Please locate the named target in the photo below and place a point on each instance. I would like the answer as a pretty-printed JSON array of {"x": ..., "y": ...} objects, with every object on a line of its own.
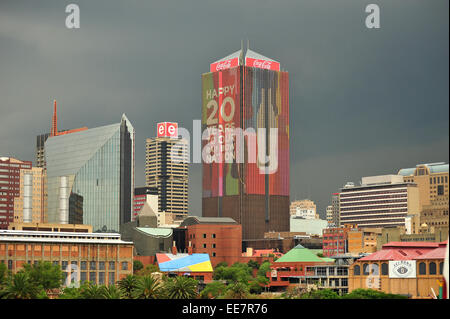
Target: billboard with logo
[
  {"x": 262, "y": 64},
  {"x": 167, "y": 129},
  {"x": 402, "y": 269}
]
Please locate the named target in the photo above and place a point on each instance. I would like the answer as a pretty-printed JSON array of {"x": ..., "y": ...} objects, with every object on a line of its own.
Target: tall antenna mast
[{"x": 54, "y": 130}]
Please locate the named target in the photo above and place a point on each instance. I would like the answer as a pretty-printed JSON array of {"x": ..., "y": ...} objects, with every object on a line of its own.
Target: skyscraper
[
  {"x": 246, "y": 175},
  {"x": 93, "y": 168},
  {"x": 168, "y": 171},
  {"x": 9, "y": 187}
]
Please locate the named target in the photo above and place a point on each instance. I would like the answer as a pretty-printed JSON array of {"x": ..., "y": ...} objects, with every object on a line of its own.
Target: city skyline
[{"x": 111, "y": 66}]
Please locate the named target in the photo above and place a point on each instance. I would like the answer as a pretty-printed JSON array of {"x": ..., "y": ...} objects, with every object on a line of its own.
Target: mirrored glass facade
[{"x": 96, "y": 165}]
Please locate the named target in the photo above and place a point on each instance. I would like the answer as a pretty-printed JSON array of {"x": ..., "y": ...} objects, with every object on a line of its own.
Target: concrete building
[
  {"x": 414, "y": 269},
  {"x": 166, "y": 168},
  {"x": 102, "y": 259},
  {"x": 379, "y": 201},
  {"x": 304, "y": 208},
  {"x": 31, "y": 204},
  {"x": 432, "y": 180},
  {"x": 362, "y": 240},
  {"x": 335, "y": 210},
  {"x": 252, "y": 187},
  {"x": 431, "y": 234},
  {"x": 329, "y": 214},
  {"x": 96, "y": 164},
  {"x": 10, "y": 182},
  {"x": 143, "y": 195}
]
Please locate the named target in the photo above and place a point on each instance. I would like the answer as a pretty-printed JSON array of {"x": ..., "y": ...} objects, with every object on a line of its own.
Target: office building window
[
  {"x": 213, "y": 235},
  {"x": 92, "y": 265},
  {"x": 384, "y": 269},
  {"x": 204, "y": 245},
  {"x": 124, "y": 265},
  {"x": 432, "y": 268},
  {"x": 112, "y": 265},
  {"x": 356, "y": 270},
  {"x": 422, "y": 268},
  {"x": 83, "y": 265},
  {"x": 101, "y": 265},
  {"x": 204, "y": 235}
]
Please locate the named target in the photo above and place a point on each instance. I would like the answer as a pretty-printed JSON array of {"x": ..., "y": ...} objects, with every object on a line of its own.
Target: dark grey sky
[{"x": 363, "y": 101}]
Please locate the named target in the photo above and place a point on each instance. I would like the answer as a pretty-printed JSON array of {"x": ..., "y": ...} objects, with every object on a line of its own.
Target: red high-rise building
[
  {"x": 246, "y": 177},
  {"x": 9, "y": 187}
]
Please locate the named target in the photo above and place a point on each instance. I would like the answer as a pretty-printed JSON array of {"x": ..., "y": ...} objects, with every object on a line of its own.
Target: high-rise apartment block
[
  {"x": 335, "y": 209},
  {"x": 246, "y": 174},
  {"x": 432, "y": 180},
  {"x": 93, "y": 168},
  {"x": 167, "y": 169},
  {"x": 379, "y": 201},
  {"x": 10, "y": 183}
]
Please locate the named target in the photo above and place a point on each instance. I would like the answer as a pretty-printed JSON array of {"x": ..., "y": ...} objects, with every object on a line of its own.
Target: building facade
[
  {"x": 304, "y": 208},
  {"x": 335, "y": 240},
  {"x": 433, "y": 183},
  {"x": 245, "y": 143},
  {"x": 31, "y": 205},
  {"x": 220, "y": 238},
  {"x": 166, "y": 168},
  {"x": 10, "y": 187},
  {"x": 380, "y": 201},
  {"x": 335, "y": 209},
  {"x": 143, "y": 195},
  {"x": 412, "y": 269},
  {"x": 97, "y": 165},
  {"x": 102, "y": 259}
]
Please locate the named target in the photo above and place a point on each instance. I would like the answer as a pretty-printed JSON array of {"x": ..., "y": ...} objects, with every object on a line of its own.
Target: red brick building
[
  {"x": 335, "y": 240},
  {"x": 9, "y": 187},
  {"x": 219, "y": 237}
]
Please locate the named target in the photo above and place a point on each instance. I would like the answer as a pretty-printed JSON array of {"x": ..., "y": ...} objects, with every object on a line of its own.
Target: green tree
[
  {"x": 137, "y": 265},
  {"x": 222, "y": 264},
  {"x": 181, "y": 287},
  {"x": 264, "y": 269},
  {"x": 44, "y": 274},
  {"x": 147, "y": 288},
  {"x": 4, "y": 277},
  {"x": 148, "y": 270},
  {"x": 213, "y": 290},
  {"x": 127, "y": 285},
  {"x": 91, "y": 291},
  {"x": 111, "y": 292},
  {"x": 371, "y": 294},
  {"x": 320, "y": 294},
  {"x": 253, "y": 264},
  {"x": 257, "y": 285},
  {"x": 20, "y": 286},
  {"x": 238, "y": 272},
  {"x": 237, "y": 290}
]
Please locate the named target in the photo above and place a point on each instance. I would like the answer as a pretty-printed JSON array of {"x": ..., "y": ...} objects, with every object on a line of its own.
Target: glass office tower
[{"x": 97, "y": 166}]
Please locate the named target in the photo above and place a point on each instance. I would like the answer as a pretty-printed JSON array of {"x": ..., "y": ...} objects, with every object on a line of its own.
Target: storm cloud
[{"x": 362, "y": 101}]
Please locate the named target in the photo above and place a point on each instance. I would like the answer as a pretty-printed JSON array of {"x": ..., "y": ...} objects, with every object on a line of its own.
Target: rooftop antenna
[{"x": 54, "y": 130}]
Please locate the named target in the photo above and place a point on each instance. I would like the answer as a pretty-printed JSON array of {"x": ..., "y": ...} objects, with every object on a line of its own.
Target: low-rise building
[
  {"x": 76, "y": 228},
  {"x": 407, "y": 268},
  {"x": 101, "y": 258},
  {"x": 362, "y": 240},
  {"x": 335, "y": 240}
]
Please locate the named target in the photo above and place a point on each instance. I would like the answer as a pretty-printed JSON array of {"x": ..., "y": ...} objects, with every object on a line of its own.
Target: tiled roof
[
  {"x": 408, "y": 251},
  {"x": 299, "y": 254}
]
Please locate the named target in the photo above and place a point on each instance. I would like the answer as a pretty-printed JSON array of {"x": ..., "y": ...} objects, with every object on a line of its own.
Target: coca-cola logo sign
[
  {"x": 223, "y": 65},
  {"x": 262, "y": 64}
]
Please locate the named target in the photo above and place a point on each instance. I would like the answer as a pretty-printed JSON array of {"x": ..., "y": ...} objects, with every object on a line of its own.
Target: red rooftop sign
[
  {"x": 167, "y": 129},
  {"x": 262, "y": 64},
  {"x": 225, "y": 64}
]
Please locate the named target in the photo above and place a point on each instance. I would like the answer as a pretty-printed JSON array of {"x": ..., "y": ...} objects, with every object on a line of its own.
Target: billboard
[
  {"x": 167, "y": 129},
  {"x": 262, "y": 64},
  {"x": 221, "y": 111},
  {"x": 402, "y": 269},
  {"x": 224, "y": 64}
]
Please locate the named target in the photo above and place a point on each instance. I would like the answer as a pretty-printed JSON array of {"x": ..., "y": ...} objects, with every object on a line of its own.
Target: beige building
[
  {"x": 362, "y": 240},
  {"x": 304, "y": 208},
  {"x": 330, "y": 214},
  {"x": 166, "y": 168},
  {"x": 76, "y": 228},
  {"x": 433, "y": 183},
  {"x": 399, "y": 234},
  {"x": 380, "y": 201},
  {"x": 31, "y": 205}
]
